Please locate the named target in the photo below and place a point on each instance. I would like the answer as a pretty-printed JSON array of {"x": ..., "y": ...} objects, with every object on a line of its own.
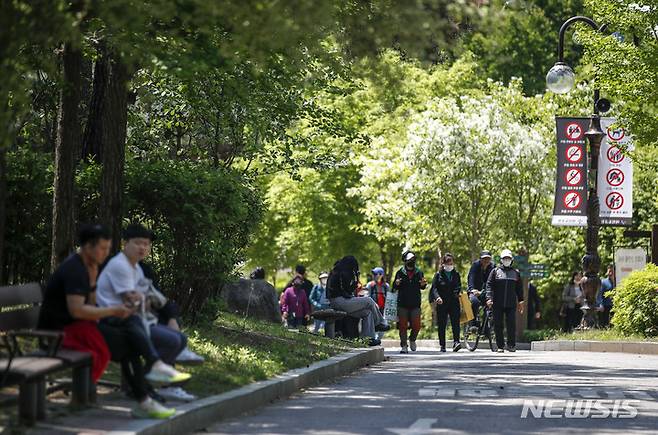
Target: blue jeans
[{"x": 167, "y": 342}]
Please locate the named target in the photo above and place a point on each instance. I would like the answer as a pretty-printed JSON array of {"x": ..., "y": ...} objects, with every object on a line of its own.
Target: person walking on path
[
  {"x": 377, "y": 289},
  {"x": 444, "y": 292},
  {"x": 505, "y": 294},
  {"x": 408, "y": 282},
  {"x": 534, "y": 306},
  {"x": 319, "y": 299},
  {"x": 295, "y": 308},
  {"x": 572, "y": 297}
]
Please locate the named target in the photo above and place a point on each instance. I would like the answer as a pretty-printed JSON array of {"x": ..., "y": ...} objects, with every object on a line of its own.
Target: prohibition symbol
[
  {"x": 573, "y": 177},
  {"x": 615, "y": 155},
  {"x": 574, "y": 154},
  {"x": 615, "y": 177},
  {"x": 571, "y": 200},
  {"x": 616, "y": 134},
  {"x": 574, "y": 131},
  {"x": 614, "y": 201}
]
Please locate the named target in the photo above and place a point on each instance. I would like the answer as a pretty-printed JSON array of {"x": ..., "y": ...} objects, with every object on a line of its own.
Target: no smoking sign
[
  {"x": 574, "y": 154},
  {"x": 572, "y": 200}
]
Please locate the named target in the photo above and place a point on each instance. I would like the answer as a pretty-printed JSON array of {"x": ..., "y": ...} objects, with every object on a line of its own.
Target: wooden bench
[{"x": 19, "y": 314}]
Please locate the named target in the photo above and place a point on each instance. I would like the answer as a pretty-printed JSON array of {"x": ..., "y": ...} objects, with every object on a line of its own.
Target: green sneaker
[{"x": 152, "y": 409}]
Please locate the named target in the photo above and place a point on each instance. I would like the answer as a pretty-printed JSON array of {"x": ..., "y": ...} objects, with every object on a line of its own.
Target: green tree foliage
[
  {"x": 627, "y": 62},
  {"x": 634, "y": 303}
]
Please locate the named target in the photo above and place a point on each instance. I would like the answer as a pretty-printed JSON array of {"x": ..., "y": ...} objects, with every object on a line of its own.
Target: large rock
[{"x": 253, "y": 298}]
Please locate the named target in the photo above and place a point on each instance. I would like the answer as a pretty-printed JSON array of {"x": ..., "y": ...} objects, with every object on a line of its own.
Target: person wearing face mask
[
  {"x": 319, "y": 299},
  {"x": 377, "y": 289},
  {"x": 504, "y": 292},
  {"x": 295, "y": 308},
  {"x": 409, "y": 281},
  {"x": 445, "y": 290}
]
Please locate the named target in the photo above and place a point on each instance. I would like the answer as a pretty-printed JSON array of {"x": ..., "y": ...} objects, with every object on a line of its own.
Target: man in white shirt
[{"x": 122, "y": 281}]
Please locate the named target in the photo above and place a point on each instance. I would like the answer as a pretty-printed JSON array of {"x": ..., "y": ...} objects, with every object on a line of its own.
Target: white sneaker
[
  {"x": 187, "y": 356},
  {"x": 176, "y": 393},
  {"x": 152, "y": 409},
  {"x": 166, "y": 374},
  {"x": 412, "y": 346}
]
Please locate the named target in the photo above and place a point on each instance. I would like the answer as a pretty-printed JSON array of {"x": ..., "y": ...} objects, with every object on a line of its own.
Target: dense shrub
[
  {"x": 202, "y": 217},
  {"x": 635, "y": 303},
  {"x": 29, "y": 216}
]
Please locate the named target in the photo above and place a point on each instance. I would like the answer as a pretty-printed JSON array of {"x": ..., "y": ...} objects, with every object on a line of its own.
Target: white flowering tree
[{"x": 479, "y": 175}]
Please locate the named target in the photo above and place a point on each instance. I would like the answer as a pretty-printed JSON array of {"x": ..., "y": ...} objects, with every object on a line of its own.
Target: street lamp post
[{"x": 561, "y": 79}]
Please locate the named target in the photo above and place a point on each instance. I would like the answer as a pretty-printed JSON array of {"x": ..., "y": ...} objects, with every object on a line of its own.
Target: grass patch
[
  {"x": 240, "y": 351},
  {"x": 593, "y": 335}
]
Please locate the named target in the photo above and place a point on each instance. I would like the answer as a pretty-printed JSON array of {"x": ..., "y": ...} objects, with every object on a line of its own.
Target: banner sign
[
  {"x": 615, "y": 177},
  {"x": 570, "y": 205}
]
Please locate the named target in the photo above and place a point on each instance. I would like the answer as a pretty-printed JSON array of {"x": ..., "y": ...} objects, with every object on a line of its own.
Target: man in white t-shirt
[{"x": 122, "y": 281}]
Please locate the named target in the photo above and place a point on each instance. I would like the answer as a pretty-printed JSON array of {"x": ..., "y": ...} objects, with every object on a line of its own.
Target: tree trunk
[
  {"x": 105, "y": 135},
  {"x": 67, "y": 148}
]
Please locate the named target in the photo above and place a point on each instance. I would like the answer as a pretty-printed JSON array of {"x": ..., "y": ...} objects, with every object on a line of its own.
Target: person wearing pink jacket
[{"x": 295, "y": 308}]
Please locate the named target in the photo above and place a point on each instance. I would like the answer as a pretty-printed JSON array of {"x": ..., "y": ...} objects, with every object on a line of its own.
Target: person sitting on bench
[
  {"x": 341, "y": 287},
  {"x": 123, "y": 279},
  {"x": 69, "y": 305}
]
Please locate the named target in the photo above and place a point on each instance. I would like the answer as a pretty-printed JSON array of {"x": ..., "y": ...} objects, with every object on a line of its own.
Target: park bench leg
[
  {"x": 41, "y": 399},
  {"x": 330, "y": 329},
  {"x": 27, "y": 401},
  {"x": 80, "y": 389}
]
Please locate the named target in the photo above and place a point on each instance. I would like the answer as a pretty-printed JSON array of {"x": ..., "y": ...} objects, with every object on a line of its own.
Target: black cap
[
  {"x": 485, "y": 254},
  {"x": 135, "y": 231},
  {"x": 300, "y": 269}
]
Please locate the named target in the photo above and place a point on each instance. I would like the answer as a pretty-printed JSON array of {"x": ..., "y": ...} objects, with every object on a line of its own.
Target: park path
[{"x": 429, "y": 393}]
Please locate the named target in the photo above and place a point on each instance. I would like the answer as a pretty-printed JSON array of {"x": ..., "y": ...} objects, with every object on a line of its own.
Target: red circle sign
[
  {"x": 574, "y": 154},
  {"x": 615, "y": 177},
  {"x": 573, "y": 177},
  {"x": 616, "y": 134},
  {"x": 574, "y": 131},
  {"x": 571, "y": 200},
  {"x": 614, "y": 200},
  {"x": 615, "y": 155}
]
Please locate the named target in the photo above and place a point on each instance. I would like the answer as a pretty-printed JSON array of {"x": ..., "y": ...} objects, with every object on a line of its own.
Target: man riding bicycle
[{"x": 477, "y": 279}]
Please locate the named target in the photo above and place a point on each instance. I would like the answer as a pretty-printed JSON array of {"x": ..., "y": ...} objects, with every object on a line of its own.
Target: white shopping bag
[{"x": 391, "y": 307}]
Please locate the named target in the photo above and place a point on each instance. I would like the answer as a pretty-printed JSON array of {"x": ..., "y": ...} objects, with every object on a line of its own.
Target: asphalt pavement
[{"x": 428, "y": 392}]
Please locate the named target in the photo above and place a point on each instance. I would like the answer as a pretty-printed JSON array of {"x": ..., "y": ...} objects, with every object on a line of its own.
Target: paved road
[{"x": 481, "y": 392}]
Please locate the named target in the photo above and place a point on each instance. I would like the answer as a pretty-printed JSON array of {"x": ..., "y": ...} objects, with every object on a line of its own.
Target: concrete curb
[
  {"x": 636, "y": 347},
  {"x": 205, "y": 412},
  {"x": 434, "y": 344}
]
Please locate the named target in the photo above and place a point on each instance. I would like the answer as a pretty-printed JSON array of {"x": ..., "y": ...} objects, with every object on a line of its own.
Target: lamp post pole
[{"x": 560, "y": 79}]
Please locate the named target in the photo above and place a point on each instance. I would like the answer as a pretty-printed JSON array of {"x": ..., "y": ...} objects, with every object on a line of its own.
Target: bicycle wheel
[
  {"x": 489, "y": 331},
  {"x": 471, "y": 336}
]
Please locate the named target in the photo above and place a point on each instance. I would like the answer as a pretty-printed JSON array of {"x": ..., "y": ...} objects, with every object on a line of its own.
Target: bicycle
[{"x": 485, "y": 329}]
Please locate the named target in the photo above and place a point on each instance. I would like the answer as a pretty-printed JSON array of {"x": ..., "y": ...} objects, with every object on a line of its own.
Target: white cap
[
  {"x": 324, "y": 275},
  {"x": 409, "y": 256},
  {"x": 506, "y": 253}
]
